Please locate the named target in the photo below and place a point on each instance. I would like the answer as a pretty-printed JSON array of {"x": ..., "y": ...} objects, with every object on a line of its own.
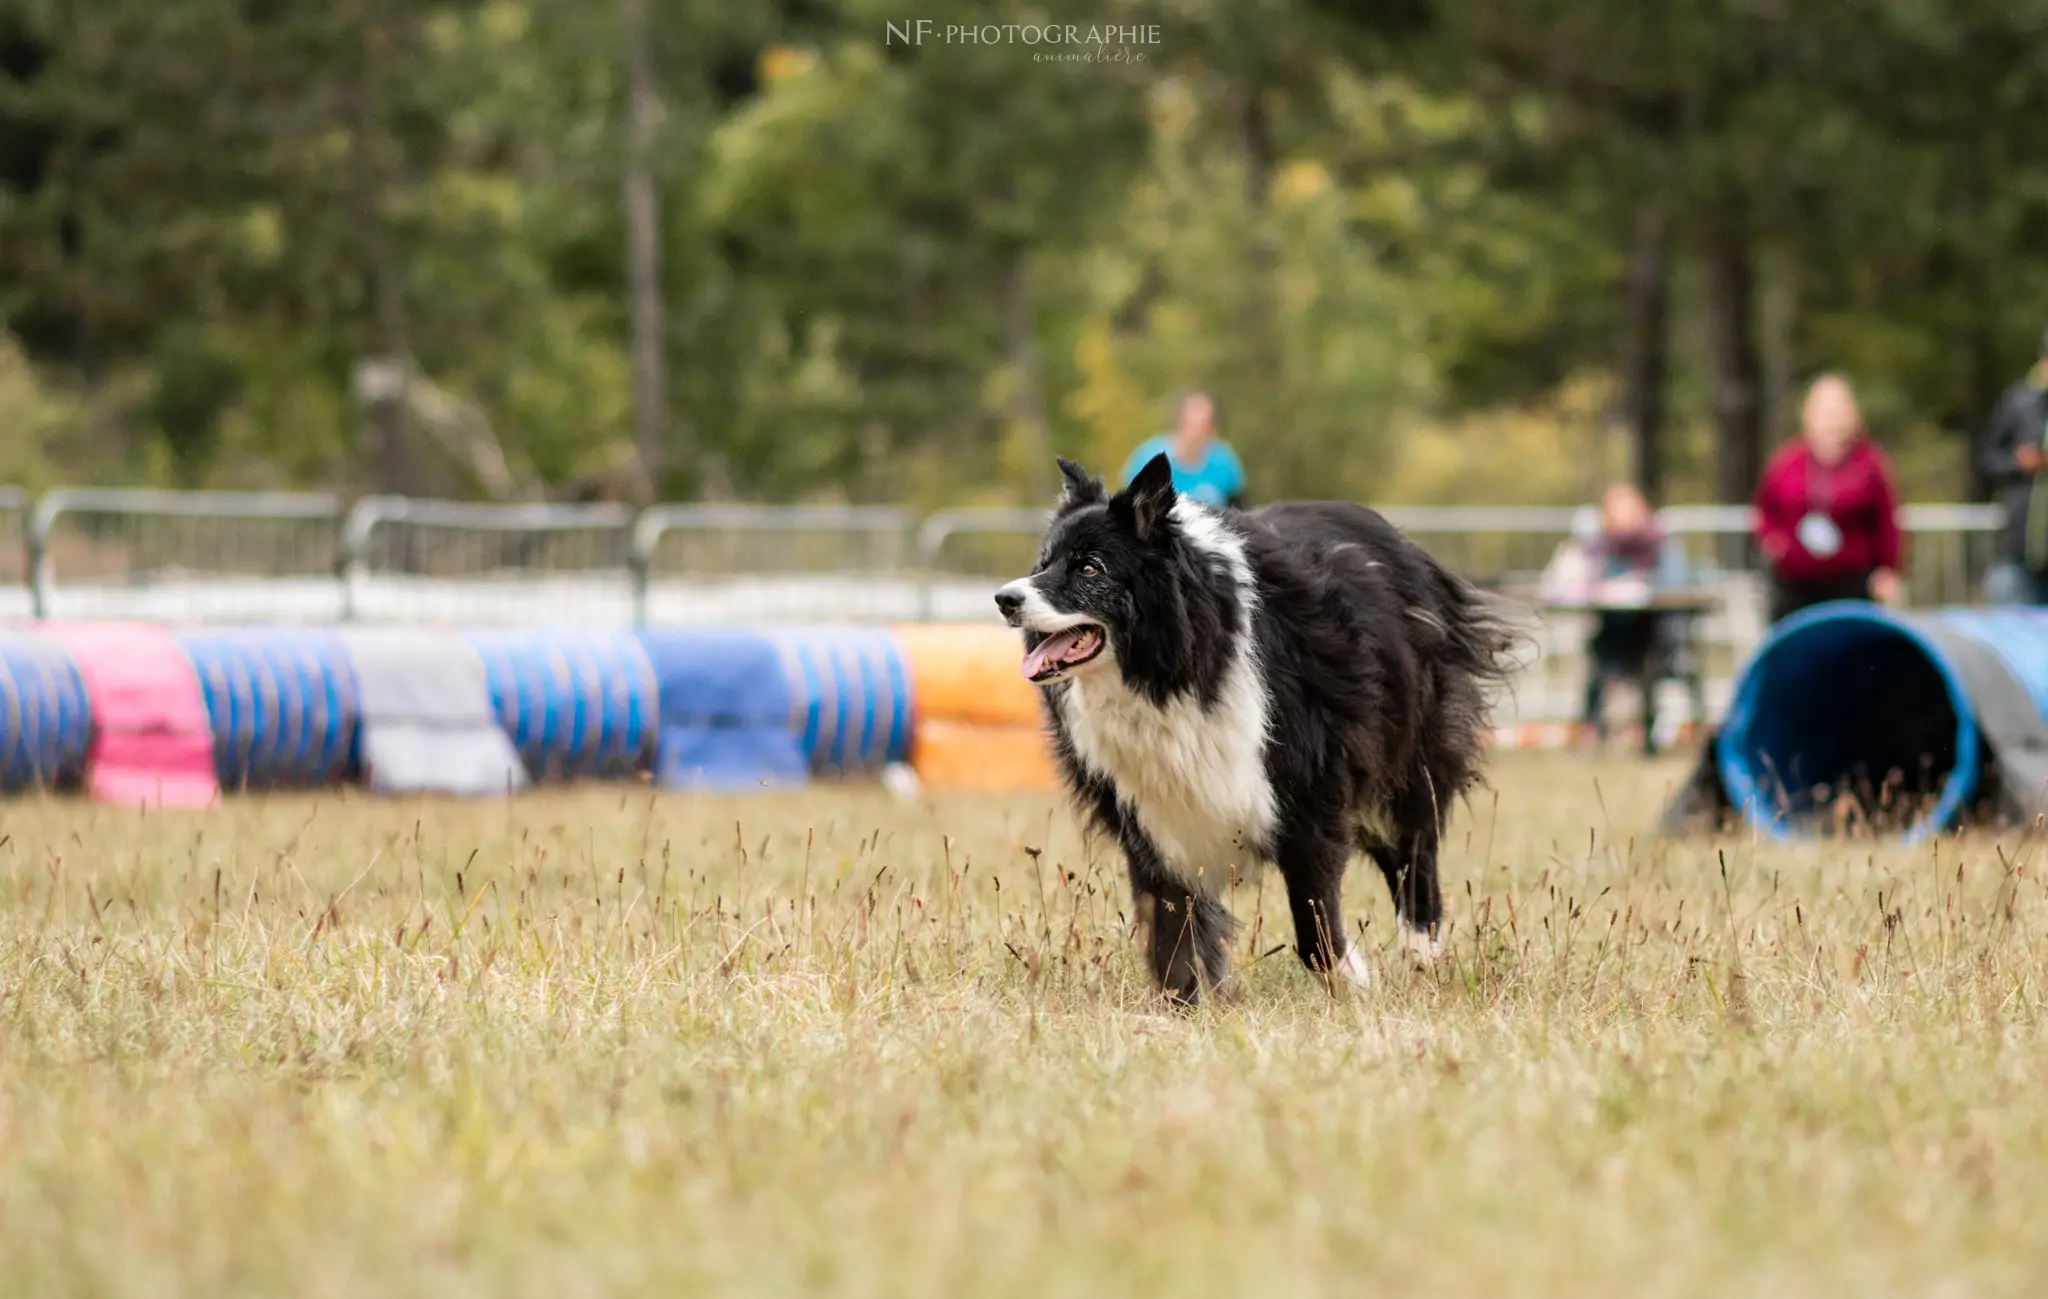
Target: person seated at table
[{"x": 1622, "y": 560}]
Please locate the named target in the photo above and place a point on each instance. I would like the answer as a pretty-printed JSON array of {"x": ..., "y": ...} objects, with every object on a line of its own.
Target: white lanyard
[{"x": 1817, "y": 532}]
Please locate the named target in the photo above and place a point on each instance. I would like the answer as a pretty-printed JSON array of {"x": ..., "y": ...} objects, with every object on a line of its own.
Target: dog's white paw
[
  {"x": 1354, "y": 968},
  {"x": 1421, "y": 949}
]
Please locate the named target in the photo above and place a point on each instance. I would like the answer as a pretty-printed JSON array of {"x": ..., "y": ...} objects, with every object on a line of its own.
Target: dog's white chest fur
[{"x": 1194, "y": 777}]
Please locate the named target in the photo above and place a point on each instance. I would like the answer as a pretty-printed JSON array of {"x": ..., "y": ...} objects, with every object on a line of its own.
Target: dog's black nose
[{"x": 1009, "y": 602}]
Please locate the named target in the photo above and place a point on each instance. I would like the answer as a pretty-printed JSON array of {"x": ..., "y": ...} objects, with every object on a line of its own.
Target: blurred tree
[
  {"x": 308, "y": 188},
  {"x": 1918, "y": 262},
  {"x": 643, "y": 252},
  {"x": 875, "y": 268},
  {"x": 1769, "y": 147},
  {"x": 1176, "y": 289},
  {"x": 195, "y": 384},
  {"x": 892, "y": 200}
]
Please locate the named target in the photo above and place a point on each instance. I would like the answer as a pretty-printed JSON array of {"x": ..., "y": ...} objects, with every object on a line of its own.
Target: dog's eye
[{"x": 1089, "y": 570}]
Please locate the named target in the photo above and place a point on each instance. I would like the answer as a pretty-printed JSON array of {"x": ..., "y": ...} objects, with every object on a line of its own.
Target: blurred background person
[
  {"x": 2011, "y": 460},
  {"x": 1620, "y": 557},
  {"x": 1204, "y": 466},
  {"x": 1826, "y": 510}
]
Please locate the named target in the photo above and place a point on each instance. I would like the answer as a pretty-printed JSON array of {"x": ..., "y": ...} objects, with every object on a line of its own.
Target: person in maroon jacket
[{"x": 1826, "y": 512}]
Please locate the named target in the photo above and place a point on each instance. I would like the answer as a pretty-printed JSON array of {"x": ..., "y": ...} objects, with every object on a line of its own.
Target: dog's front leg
[{"x": 1185, "y": 932}]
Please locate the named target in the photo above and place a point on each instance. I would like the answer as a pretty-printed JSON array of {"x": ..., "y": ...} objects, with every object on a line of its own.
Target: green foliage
[
  {"x": 195, "y": 384},
  {"x": 1173, "y": 295},
  {"x": 897, "y": 270},
  {"x": 888, "y": 200},
  {"x": 33, "y": 416}
]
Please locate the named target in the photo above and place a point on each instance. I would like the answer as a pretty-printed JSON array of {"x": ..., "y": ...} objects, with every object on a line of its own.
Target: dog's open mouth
[{"x": 1062, "y": 652}]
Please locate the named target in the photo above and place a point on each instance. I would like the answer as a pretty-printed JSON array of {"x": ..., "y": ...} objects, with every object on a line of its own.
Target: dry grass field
[{"x": 608, "y": 1042}]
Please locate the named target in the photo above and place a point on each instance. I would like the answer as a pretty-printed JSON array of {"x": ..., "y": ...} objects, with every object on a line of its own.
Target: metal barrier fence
[
  {"x": 966, "y": 554},
  {"x": 448, "y": 561},
  {"x": 1493, "y": 545},
  {"x": 1948, "y": 550},
  {"x": 747, "y": 563},
  {"x": 87, "y": 552},
  {"x": 301, "y": 557},
  {"x": 200, "y": 556}
]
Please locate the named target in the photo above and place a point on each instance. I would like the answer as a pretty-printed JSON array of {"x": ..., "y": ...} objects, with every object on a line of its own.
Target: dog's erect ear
[
  {"x": 1078, "y": 487},
  {"x": 1149, "y": 498}
]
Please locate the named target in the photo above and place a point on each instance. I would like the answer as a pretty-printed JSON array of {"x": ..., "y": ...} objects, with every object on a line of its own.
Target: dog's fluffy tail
[
  {"x": 1489, "y": 637},
  {"x": 1487, "y": 642}
]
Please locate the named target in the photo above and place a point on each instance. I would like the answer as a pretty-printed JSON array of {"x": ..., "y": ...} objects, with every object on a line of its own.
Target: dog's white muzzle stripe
[{"x": 1037, "y": 613}]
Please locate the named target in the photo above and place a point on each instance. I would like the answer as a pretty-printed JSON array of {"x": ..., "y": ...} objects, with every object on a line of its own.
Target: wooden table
[
  {"x": 1687, "y": 601},
  {"x": 1676, "y": 659}
]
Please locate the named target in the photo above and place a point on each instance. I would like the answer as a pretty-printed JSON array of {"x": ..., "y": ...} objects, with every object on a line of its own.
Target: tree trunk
[
  {"x": 1258, "y": 147},
  {"x": 1983, "y": 381},
  {"x": 1645, "y": 350},
  {"x": 1731, "y": 295},
  {"x": 1777, "y": 315},
  {"x": 385, "y": 402},
  {"x": 1738, "y": 433},
  {"x": 1254, "y": 379},
  {"x": 643, "y": 256},
  {"x": 1028, "y": 403},
  {"x": 1984, "y": 386}
]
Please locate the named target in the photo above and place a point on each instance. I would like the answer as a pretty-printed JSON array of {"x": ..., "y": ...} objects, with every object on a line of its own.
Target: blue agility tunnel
[
  {"x": 575, "y": 704},
  {"x": 727, "y": 712},
  {"x": 851, "y": 689},
  {"x": 45, "y": 721},
  {"x": 282, "y": 704},
  {"x": 1915, "y": 721}
]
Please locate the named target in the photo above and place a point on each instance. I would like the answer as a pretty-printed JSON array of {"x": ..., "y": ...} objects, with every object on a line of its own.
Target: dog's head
[{"x": 1079, "y": 603}]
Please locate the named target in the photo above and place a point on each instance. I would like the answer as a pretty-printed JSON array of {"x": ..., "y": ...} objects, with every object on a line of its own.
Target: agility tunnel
[
  {"x": 851, "y": 692},
  {"x": 152, "y": 742},
  {"x": 45, "y": 721},
  {"x": 281, "y": 702},
  {"x": 726, "y": 710},
  {"x": 979, "y": 724},
  {"x": 427, "y": 721},
  {"x": 577, "y": 705},
  {"x": 134, "y": 712},
  {"x": 1910, "y": 722}
]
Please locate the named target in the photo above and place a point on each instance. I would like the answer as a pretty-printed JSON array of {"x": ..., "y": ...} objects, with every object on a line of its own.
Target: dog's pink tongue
[{"x": 1050, "y": 650}]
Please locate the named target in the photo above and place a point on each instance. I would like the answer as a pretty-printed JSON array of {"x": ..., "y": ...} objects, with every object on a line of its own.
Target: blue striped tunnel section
[
  {"x": 45, "y": 723},
  {"x": 282, "y": 704},
  {"x": 575, "y": 704},
  {"x": 726, "y": 710},
  {"x": 851, "y": 689},
  {"x": 706, "y": 707}
]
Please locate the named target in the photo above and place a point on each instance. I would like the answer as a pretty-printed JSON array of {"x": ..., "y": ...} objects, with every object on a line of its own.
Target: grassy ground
[{"x": 603, "y": 1042}]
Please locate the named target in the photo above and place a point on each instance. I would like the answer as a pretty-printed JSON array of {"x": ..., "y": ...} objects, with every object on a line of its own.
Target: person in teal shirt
[{"x": 1204, "y": 466}]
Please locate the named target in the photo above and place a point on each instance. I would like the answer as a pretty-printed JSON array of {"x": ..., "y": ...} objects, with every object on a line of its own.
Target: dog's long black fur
[{"x": 1374, "y": 665}]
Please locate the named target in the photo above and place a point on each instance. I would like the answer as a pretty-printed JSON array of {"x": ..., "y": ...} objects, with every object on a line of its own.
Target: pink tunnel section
[{"x": 151, "y": 740}]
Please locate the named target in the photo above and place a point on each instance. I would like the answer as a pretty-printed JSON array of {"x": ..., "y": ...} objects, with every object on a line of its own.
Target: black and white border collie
[{"x": 1227, "y": 689}]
